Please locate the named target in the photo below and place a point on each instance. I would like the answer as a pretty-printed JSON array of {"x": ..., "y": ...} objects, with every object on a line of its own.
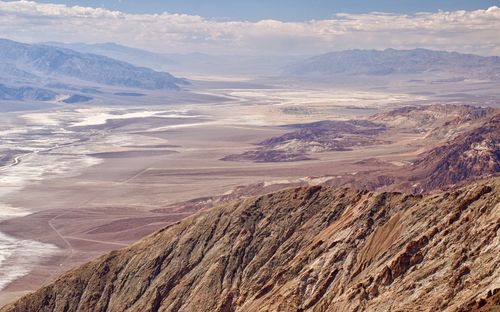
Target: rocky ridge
[
  {"x": 471, "y": 155},
  {"x": 467, "y": 157},
  {"x": 302, "y": 249}
]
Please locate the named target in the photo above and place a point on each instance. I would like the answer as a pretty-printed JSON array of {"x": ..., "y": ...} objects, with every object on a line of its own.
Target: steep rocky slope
[
  {"x": 468, "y": 149},
  {"x": 436, "y": 121},
  {"x": 302, "y": 249},
  {"x": 471, "y": 155}
]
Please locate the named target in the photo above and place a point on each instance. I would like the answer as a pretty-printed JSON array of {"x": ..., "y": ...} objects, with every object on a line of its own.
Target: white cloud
[{"x": 466, "y": 31}]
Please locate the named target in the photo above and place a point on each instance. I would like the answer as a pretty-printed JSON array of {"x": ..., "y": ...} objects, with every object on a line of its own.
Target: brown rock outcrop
[
  {"x": 302, "y": 249},
  {"x": 471, "y": 155}
]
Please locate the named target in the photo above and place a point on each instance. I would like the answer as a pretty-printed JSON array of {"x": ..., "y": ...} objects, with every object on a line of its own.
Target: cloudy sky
[{"x": 258, "y": 26}]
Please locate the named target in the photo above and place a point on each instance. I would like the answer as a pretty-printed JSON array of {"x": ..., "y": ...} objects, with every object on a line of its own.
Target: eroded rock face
[
  {"x": 472, "y": 155},
  {"x": 301, "y": 249}
]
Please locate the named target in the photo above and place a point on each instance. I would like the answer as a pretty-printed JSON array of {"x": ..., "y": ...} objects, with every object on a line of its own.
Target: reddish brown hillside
[
  {"x": 302, "y": 249},
  {"x": 470, "y": 156}
]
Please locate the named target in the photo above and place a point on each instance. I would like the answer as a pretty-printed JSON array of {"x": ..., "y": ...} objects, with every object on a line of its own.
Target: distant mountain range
[
  {"x": 112, "y": 50},
  {"x": 57, "y": 71},
  {"x": 30, "y": 72},
  {"x": 451, "y": 65},
  {"x": 195, "y": 63},
  {"x": 391, "y": 61}
]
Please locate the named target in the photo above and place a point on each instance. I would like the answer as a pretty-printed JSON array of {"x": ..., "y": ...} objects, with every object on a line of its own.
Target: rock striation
[
  {"x": 302, "y": 249},
  {"x": 471, "y": 155}
]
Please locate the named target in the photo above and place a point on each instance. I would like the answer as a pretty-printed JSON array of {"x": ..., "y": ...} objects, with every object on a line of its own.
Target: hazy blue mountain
[
  {"x": 231, "y": 65},
  {"x": 123, "y": 53},
  {"x": 15, "y": 74},
  {"x": 22, "y": 93},
  {"x": 391, "y": 61},
  {"x": 197, "y": 64},
  {"x": 77, "y": 98},
  {"x": 40, "y": 62}
]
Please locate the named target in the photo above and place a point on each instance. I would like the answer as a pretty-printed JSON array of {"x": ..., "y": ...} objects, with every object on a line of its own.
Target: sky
[
  {"x": 259, "y": 26},
  {"x": 283, "y": 10}
]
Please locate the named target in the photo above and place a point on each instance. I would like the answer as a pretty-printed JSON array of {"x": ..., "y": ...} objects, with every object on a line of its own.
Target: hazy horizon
[{"x": 317, "y": 29}]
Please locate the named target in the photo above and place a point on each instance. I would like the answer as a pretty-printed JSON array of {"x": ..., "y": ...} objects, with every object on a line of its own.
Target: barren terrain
[{"x": 110, "y": 175}]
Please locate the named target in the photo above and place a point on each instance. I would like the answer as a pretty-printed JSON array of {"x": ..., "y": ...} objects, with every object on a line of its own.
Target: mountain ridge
[
  {"x": 302, "y": 249},
  {"x": 392, "y": 61},
  {"x": 26, "y": 64},
  {"x": 113, "y": 50}
]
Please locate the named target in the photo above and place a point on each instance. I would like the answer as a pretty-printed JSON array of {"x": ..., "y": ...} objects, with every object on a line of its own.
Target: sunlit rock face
[{"x": 302, "y": 249}]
